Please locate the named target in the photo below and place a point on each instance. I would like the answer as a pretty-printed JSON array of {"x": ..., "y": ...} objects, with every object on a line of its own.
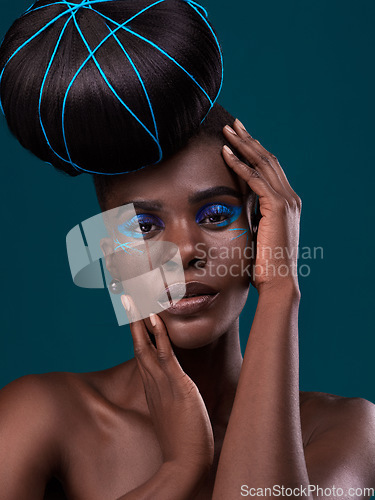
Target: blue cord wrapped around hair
[{"x": 114, "y": 28}]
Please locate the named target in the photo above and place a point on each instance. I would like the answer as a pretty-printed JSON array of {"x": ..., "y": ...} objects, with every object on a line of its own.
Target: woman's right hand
[{"x": 176, "y": 406}]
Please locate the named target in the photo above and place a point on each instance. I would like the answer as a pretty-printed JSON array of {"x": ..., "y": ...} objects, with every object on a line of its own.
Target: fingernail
[
  {"x": 153, "y": 319},
  {"x": 228, "y": 150},
  {"x": 240, "y": 124},
  {"x": 125, "y": 302},
  {"x": 229, "y": 129}
]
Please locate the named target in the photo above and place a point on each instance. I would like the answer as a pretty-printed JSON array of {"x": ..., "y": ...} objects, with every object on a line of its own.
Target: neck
[{"x": 215, "y": 369}]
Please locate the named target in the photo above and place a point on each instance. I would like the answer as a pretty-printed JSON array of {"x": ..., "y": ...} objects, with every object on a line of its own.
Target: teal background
[{"x": 300, "y": 75}]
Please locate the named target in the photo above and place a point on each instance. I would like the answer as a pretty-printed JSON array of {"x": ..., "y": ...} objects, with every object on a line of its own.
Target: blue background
[{"x": 300, "y": 75}]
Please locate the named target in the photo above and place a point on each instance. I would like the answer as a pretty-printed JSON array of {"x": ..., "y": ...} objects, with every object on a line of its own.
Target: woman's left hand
[{"x": 280, "y": 208}]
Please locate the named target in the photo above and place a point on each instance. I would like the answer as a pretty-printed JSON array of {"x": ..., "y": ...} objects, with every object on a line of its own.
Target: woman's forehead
[{"x": 198, "y": 167}]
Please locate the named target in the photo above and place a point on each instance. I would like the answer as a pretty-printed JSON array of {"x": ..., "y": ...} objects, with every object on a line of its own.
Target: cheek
[
  {"x": 136, "y": 258},
  {"x": 229, "y": 255},
  {"x": 228, "y": 262}
]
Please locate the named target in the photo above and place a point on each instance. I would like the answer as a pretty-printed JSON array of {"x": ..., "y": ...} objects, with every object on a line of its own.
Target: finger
[
  {"x": 246, "y": 145},
  {"x": 242, "y": 132},
  {"x": 253, "y": 177},
  {"x": 165, "y": 353},
  {"x": 143, "y": 372},
  {"x": 143, "y": 347}
]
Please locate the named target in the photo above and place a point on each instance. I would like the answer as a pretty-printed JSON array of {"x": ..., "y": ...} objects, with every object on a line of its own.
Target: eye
[
  {"x": 218, "y": 214},
  {"x": 141, "y": 225}
]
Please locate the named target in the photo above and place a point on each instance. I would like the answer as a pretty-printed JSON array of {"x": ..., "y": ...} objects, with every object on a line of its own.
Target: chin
[
  {"x": 193, "y": 332},
  {"x": 196, "y": 341}
]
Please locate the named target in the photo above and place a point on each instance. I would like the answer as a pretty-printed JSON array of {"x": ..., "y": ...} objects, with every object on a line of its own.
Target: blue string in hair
[{"x": 72, "y": 8}]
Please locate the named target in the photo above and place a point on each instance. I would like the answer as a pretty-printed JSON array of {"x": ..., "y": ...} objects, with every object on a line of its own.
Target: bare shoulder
[
  {"x": 28, "y": 396},
  {"x": 341, "y": 432},
  {"x": 33, "y": 404},
  {"x": 56, "y": 398},
  {"x": 45, "y": 419},
  {"x": 35, "y": 394},
  {"x": 322, "y": 411},
  {"x": 326, "y": 409},
  {"x": 38, "y": 412},
  {"x": 30, "y": 423}
]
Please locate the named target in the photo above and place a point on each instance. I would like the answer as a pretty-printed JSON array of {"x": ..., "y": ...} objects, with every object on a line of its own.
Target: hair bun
[{"x": 108, "y": 86}]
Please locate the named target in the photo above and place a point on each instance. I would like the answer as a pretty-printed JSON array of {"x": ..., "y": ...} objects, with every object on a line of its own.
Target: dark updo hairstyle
[{"x": 167, "y": 57}]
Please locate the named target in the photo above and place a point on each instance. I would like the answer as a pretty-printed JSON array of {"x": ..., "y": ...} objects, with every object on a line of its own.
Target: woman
[{"x": 187, "y": 418}]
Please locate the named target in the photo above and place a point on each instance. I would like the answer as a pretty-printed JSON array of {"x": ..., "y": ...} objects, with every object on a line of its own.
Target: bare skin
[{"x": 96, "y": 432}]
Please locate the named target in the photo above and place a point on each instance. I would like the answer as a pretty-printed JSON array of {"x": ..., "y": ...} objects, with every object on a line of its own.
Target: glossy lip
[{"x": 205, "y": 295}]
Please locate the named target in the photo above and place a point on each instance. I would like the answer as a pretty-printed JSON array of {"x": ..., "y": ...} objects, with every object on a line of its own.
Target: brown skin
[{"x": 99, "y": 435}]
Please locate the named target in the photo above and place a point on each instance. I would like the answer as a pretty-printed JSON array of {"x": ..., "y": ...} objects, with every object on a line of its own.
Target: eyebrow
[
  {"x": 215, "y": 191},
  {"x": 195, "y": 198}
]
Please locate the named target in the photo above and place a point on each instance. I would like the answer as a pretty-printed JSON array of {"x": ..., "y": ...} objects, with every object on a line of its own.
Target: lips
[{"x": 187, "y": 298}]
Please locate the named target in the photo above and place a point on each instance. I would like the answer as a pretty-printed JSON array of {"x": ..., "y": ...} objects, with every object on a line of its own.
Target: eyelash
[
  {"x": 129, "y": 228},
  {"x": 232, "y": 212},
  {"x": 211, "y": 210}
]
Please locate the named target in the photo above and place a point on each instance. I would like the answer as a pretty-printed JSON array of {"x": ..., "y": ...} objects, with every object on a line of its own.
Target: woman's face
[{"x": 197, "y": 202}]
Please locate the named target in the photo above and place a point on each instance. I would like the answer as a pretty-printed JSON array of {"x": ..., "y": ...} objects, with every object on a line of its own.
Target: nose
[{"x": 186, "y": 236}]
